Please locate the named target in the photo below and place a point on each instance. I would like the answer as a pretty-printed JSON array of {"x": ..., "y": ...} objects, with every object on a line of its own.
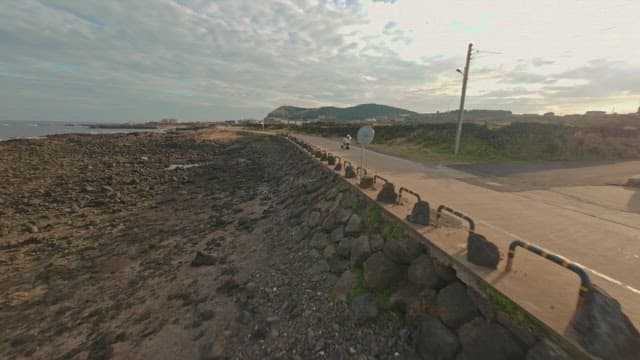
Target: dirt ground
[{"x": 105, "y": 253}]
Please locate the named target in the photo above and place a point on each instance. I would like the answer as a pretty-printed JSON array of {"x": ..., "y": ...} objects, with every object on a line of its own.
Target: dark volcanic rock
[
  {"x": 387, "y": 194},
  {"x": 434, "y": 340},
  {"x": 381, "y": 273},
  {"x": 481, "y": 251},
  {"x": 364, "y": 308},
  {"x": 546, "y": 350},
  {"x": 376, "y": 242},
  {"x": 422, "y": 272},
  {"x": 360, "y": 251},
  {"x": 604, "y": 329},
  {"x": 403, "y": 249},
  {"x": 343, "y": 216},
  {"x": 445, "y": 272},
  {"x": 319, "y": 241},
  {"x": 481, "y": 339},
  {"x": 345, "y": 284},
  {"x": 402, "y": 298},
  {"x": 455, "y": 306},
  {"x": 203, "y": 260},
  {"x": 344, "y": 247},
  {"x": 354, "y": 225}
]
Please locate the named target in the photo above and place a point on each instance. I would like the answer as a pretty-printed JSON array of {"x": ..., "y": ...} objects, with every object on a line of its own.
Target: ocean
[{"x": 35, "y": 129}]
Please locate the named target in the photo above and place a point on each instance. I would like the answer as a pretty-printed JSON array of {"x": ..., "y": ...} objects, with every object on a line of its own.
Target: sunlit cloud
[{"x": 214, "y": 60}]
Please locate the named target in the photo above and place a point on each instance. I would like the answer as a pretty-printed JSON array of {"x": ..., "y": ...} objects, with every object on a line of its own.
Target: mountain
[{"x": 358, "y": 112}]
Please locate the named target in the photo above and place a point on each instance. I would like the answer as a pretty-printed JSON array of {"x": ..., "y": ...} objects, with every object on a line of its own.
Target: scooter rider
[{"x": 346, "y": 142}]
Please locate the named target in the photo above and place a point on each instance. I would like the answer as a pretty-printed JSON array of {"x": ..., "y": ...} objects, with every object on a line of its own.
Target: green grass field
[{"x": 516, "y": 142}]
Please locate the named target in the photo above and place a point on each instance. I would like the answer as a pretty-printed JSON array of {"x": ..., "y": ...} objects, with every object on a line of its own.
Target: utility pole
[{"x": 465, "y": 77}]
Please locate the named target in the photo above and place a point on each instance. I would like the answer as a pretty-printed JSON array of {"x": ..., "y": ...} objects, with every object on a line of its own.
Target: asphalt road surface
[{"x": 567, "y": 210}]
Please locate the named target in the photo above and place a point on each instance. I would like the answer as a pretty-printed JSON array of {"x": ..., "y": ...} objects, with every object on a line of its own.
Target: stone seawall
[{"x": 388, "y": 270}]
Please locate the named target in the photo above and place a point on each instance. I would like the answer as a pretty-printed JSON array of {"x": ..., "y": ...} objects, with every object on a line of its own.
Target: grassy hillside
[
  {"x": 514, "y": 142},
  {"x": 359, "y": 112}
]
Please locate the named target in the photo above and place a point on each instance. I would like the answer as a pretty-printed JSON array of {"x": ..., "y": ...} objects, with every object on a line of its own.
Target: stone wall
[{"x": 385, "y": 272}]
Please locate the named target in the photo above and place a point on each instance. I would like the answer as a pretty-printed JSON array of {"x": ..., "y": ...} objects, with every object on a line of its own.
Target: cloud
[{"x": 201, "y": 60}]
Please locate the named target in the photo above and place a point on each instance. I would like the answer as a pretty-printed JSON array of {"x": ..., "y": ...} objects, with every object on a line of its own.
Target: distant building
[
  {"x": 595, "y": 113},
  {"x": 170, "y": 121},
  {"x": 550, "y": 113},
  {"x": 638, "y": 110},
  {"x": 272, "y": 121}
]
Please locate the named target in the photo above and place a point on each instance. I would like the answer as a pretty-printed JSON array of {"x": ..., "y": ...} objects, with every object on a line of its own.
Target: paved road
[{"x": 596, "y": 226}]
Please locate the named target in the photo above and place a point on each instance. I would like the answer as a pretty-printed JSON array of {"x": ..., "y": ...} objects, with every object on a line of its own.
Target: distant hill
[{"x": 358, "y": 112}]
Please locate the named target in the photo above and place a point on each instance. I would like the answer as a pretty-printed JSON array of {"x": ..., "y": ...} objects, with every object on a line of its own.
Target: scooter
[{"x": 344, "y": 146}]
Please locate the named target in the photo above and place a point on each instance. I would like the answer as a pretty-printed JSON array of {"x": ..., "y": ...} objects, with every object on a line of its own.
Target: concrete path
[{"x": 598, "y": 227}]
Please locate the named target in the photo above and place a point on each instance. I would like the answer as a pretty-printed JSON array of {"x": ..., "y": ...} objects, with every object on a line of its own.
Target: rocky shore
[{"x": 104, "y": 253}]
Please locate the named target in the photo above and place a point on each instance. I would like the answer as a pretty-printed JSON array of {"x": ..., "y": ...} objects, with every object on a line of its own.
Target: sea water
[{"x": 32, "y": 129}]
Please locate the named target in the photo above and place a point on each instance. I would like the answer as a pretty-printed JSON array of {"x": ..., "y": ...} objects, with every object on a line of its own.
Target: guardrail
[
  {"x": 472, "y": 224},
  {"x": 585, "y": 281},
  {"x": 410, "y": 192},
  {"x": 338, "y": 166},
  {"x": 379, "y": 177}
]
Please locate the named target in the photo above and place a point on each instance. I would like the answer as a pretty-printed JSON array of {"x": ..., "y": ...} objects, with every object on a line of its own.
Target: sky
[{"x": 197, "y": 60}]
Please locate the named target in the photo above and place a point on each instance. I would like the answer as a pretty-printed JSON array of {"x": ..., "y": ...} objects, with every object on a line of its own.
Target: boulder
[
  {"x": 387, "y": 194},
  {"x": 343, "y": 216},
  {"x": 337, "y": 234},
  {"x": 337, "y": 265},
  {"x": 455, "y": 307},
  {"x": 314, "y": 219},
  {"x": 420, "y": 213},
  {"x": 344, "y": 247},
  {"x": 344, "y": 285},
  {"x": 425, "y": 303},
  {"x": 481, "y": 339},
  {"x": 360, "y": 251},
  {"x": 381, "y": 273},
  {"x": 203, "y": 260},
  {"x": 546, "y": 350},
  {"x": 403, "y": 297},
  {"x": 403, "y": 250},
  {"x": 364, "y": 308},
  {"x": 481, "y": 251},
  {"x": 319, "y": 241},
  {"x": 603, "y": 329},
  {"x": 422, "y": 272},
  {"x": 329, "y": 251},
  {"x": 434, "y": 340},
  {"x": 376, "y": 242},
  {"x": 445, "y": 272},
  {"x": 366, "y": 182},
  {"x": 354, "y": 225}
]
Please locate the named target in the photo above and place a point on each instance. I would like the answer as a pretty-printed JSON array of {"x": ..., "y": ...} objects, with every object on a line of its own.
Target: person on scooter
[{"x": 346, "y": 142}]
